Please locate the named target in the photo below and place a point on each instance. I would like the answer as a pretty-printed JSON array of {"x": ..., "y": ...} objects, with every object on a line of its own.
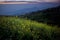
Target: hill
[
  {"x": 14, "y": 28},
  {"x": 50, "y": 16}
]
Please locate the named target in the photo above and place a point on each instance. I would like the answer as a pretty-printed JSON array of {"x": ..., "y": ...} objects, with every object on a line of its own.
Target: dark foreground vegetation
[
  {"x": 14, "y": 28},
  {"x": 50, "y": 16}
]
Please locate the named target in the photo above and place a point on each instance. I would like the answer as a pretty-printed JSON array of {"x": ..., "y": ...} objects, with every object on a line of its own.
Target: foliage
[
  {"x": 14, "y": 28},
  {"x": 50, "y": 16}
]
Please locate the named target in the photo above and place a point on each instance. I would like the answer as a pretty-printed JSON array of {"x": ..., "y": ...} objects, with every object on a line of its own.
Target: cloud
[
  {"x": 49, "y": 0},
  {"x": 2, "y": 0},
  {"x": 35, "y": 0}
]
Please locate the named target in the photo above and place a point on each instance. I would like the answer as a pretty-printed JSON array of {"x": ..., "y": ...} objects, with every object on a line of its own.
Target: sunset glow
[
  {"x": 34, "y": 0},
  {"x": 26, "y": 1}
]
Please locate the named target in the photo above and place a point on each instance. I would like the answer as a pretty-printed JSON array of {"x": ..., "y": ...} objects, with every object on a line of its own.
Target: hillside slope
[
  {"x": 13, "y": 28},
  {"x": 50, "y": 16}
]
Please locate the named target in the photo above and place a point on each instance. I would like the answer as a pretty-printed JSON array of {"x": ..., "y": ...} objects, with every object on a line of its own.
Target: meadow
[{"x": 14, "y": 28}]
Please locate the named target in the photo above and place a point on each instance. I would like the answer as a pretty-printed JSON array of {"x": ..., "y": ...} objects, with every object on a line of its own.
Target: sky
[{"x": 35, "y": 0}]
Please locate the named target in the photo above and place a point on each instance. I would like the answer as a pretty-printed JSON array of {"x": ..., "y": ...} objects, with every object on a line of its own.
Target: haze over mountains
[{"x": 19, "y": 9}]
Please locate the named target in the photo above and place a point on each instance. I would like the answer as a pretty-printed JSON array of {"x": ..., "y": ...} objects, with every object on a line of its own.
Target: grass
[{"x": 14, "y": 28}]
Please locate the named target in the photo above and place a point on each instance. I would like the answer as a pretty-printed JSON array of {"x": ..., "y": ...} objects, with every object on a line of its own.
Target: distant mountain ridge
[
  {"x": 19, "y": 9},
  {"x": 50, "y": 16}
]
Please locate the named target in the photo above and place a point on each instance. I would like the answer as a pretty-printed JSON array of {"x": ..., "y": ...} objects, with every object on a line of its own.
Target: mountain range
[
  {"x": 21, "y": 9},
  {"x": 50, "y": 16}
]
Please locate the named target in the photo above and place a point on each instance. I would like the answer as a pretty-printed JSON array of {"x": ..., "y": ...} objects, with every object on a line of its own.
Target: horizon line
[{"x": 23, "y": 2}]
